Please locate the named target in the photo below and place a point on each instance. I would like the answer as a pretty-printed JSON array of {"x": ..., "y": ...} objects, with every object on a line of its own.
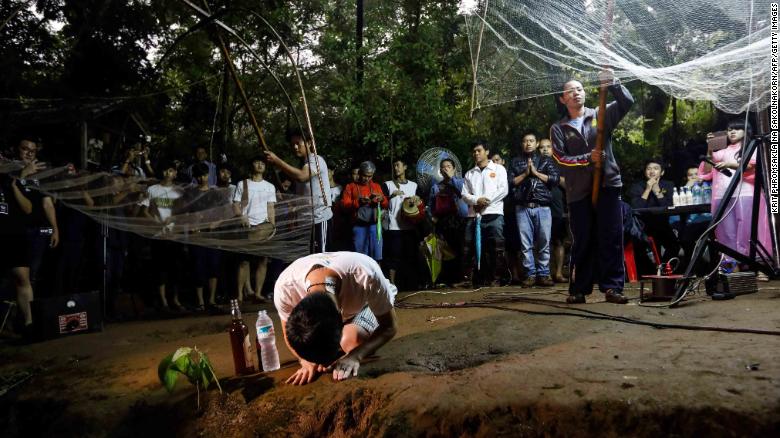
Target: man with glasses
[{"x": 42, "y": 230}]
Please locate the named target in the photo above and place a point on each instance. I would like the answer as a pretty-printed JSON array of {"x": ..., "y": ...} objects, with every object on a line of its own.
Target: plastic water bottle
[
  {"x": 696, "y": 189},
  {"x": 707, "y": 193},
  {"x": 687, "y": 197},
  {"x": 266, "y": 342},
  {"x": 676, "y": 197}
]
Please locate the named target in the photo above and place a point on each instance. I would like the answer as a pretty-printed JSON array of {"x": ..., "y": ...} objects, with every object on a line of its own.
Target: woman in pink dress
[{"x": 734, "y": 230}]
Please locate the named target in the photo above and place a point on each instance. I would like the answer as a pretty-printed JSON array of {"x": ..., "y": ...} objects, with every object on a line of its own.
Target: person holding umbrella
[
  {"x": 484, "y": 189},
  {"x": 597, "y": 228}
]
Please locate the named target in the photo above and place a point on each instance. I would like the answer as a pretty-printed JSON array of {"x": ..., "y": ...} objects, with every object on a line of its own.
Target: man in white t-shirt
[
  {"x": 166, "y": 254},
  {"x": 331, "y": 304},
  {"x": 400, "y": 236},
  {"x": 254, "y": 202},
  {"x": 311, "y": 181}
]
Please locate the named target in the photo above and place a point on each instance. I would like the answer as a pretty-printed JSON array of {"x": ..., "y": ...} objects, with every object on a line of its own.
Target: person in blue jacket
[{"x": 448, "y": 212}]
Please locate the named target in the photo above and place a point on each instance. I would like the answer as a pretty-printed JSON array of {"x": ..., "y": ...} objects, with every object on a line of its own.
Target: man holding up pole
[{"x": 597, "y": 227}]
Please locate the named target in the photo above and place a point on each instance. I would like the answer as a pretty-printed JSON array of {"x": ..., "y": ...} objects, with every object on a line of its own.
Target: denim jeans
[
  {"x": 365, "y": 241},
  {"x": 535, "y": 226}
]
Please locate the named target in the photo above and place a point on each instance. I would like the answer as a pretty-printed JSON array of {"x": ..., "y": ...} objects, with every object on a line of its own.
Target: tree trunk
[{"x": 226, "y": 130}]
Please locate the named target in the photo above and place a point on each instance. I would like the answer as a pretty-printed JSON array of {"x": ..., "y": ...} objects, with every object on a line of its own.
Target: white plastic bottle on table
[
  {"x": 266, "y": 342},
  {"x": 687, "y": 197},
  {"x": 707, "y": 193},
  {"x": 676, "y": 197}
]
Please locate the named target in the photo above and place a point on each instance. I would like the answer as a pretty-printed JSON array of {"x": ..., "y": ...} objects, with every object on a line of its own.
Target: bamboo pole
[
  {"x": 241, "y": 91},
  {"x": 598, "y": 165}
]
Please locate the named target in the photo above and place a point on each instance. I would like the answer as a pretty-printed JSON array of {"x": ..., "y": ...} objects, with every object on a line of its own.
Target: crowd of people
[{"x": 528, "y": 220}]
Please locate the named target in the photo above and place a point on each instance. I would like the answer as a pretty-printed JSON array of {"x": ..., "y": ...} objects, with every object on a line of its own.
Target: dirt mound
[
  {"x": 361, "y": 412},
  {"x": 449, "y": 372}
]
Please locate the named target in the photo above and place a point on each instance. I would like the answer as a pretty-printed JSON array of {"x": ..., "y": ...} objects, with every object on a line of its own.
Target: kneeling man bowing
[{"x": 336, "y": 308}]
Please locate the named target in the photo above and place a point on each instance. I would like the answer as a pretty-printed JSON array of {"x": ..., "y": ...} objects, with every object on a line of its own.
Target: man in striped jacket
[{"x": 597, "y": 231}]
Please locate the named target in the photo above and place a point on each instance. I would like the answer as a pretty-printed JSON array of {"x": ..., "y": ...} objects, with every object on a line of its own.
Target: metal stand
[
  {"x": 104, "y": 289},
  {"x": 11, "y": 305},
  {"x": 767, "y": 263}
]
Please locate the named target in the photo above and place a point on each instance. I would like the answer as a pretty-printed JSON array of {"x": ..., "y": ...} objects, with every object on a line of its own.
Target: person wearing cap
[
  {"x": 336, "y": 309},
  {"x": 400, "y": 235}
]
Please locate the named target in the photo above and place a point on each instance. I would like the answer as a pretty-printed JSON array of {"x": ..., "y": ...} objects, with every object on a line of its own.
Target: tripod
[{"x": 766, "y": 264}]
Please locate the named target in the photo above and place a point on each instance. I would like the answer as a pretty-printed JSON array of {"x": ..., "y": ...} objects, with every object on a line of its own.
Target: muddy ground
[{"x": 528, "y": 366}]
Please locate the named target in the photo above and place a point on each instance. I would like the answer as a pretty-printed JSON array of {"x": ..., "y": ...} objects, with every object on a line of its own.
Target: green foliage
[
  {"x": 189, "y": 362},
  {"x": 415, "y": 93}
]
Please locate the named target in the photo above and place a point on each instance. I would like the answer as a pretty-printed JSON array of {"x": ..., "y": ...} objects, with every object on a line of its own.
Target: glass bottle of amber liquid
[{"x": 243, "y": 350}]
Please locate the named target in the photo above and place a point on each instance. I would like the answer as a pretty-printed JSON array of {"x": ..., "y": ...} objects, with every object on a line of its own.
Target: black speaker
[
  {"x": 727, "y": 286},
  {"x": 67, "y": 315}
]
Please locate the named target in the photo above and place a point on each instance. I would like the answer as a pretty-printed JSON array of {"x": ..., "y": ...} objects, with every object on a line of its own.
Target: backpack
[{"x": 445, "y": 202}]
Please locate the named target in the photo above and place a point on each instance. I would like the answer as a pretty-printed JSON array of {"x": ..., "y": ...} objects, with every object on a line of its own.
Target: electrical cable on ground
[{"x": 490, "y": 301}]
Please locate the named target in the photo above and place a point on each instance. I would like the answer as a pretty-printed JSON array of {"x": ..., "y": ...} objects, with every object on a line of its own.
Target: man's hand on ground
[
  {"x": 345, "y": 368},
  {"x": 306, "y": 374}
]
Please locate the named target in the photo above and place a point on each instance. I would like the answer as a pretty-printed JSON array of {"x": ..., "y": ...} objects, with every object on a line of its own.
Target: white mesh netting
[
  {"x": 714, "y": 50},
  {"x": 205, "y": 218}
]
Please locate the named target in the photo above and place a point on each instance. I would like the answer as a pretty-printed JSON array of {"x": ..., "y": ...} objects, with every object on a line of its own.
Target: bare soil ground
[{"x": 530, "y": 368}]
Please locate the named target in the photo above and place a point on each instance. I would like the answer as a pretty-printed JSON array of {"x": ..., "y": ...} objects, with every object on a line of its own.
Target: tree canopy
[{"x": 161, "y": 60}]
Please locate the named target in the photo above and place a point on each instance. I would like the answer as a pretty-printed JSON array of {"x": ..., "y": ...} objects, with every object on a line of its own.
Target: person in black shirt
[
  {"x": 531, "y": 176},
  {"x": 655, "y": 192},
  {"x": 41, "y": 225},
  {"x": 14, "y": 208}
]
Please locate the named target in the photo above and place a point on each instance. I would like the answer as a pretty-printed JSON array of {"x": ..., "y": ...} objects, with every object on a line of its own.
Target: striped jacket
[{"x": 572, "y": 148}]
